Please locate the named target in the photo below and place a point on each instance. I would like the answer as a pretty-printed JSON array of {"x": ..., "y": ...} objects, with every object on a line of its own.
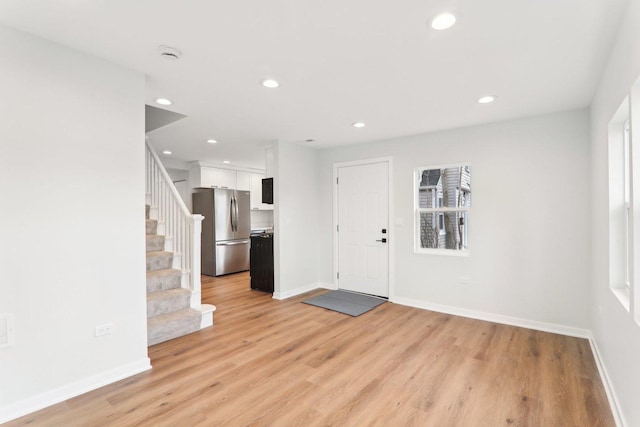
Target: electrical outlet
[
  {"x": 105, "y": 329},
  {"x": 463, "y": 280}
]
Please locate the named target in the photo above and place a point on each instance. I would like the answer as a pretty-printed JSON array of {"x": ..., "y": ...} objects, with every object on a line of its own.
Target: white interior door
[{"x": 363, "y": 227}]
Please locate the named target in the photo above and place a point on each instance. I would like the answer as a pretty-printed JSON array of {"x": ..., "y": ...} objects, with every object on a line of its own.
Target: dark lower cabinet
[{"x": 261, "y": 262}]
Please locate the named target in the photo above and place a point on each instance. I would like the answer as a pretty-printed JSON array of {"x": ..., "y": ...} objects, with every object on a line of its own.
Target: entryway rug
[{"x": 350, "y": 303}]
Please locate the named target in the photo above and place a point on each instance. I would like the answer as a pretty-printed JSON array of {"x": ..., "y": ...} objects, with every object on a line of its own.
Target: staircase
[
  {"x": 174, "y": 306},
  {"x": 169, "y": 314}
]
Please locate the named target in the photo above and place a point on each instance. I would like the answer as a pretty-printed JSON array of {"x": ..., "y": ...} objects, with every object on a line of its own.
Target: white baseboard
[
  {"x": 496, "y": 318},
  {"x": 60, "y": 394},
  {"x": 301, "y": 290},
  {"x": 323, "y": 285},
  {"x": 611, "y": 394}
]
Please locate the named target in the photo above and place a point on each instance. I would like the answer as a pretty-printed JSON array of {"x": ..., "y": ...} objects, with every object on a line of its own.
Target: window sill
[
  {"x": 623, "y": 296},
  {"x": 446, "y": 252}
]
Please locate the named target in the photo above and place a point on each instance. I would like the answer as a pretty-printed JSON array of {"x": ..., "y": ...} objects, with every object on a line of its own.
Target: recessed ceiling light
[
  {"x": 226, "y": 162},
  {"x": 270, "y": 83},
  {"x": 487, "y": 99},
  {"x": 212, "y": 141},
  {"x": 358, "y": 125},
  {"x": 167, "y": 152},
  {"x": 443, "y": 21},
  {"x": 163, "y": 101}
]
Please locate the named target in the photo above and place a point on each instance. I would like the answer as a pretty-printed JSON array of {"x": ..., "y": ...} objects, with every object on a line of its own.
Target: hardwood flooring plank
[{"x": 283, "y": 363}]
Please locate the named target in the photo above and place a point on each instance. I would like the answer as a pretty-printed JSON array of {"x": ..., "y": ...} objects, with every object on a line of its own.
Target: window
[
  {"x": 620, "y": 205},
  {"x": 442, "y": 206},
  {"x": 626, "y": 137}
]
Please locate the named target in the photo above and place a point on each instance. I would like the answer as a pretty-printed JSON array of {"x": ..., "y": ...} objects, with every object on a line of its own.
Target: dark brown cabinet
[
  {"x": 261, "y": 262},
  {"x": 267, "y": 190}
]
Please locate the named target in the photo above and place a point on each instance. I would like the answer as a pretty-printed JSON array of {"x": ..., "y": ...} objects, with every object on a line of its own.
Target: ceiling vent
[{"x": 169, "y": 53}]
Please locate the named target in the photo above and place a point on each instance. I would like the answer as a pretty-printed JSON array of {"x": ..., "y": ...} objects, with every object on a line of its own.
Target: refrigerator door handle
[
  {"x": 235, "y": 214},
  {"x": 235, "y": 204},
  {"x": 231, "y": 215},
  {"x": 236, "y": 242}
]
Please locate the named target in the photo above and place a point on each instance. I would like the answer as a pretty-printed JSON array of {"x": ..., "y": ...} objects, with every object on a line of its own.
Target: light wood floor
[{"x": 283, "y": 363}]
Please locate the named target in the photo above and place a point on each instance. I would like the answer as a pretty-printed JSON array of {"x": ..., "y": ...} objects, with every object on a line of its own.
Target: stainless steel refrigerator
[{"x": 225, "y": 230}]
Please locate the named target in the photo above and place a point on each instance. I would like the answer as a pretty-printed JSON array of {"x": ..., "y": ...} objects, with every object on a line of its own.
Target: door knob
[{"x": 383, "y": 240}]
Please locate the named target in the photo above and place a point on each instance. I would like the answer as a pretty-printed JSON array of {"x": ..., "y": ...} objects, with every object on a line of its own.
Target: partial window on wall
[
  {"x": 620, "y": 205},
  {"x": 442, "y": 208}
]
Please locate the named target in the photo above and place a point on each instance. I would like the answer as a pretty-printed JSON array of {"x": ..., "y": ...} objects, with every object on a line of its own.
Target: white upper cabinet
[
  {"x": 212, "y": 177},
  {"x": 226, "y": 179},
  {"x": 243, "y": 181}
]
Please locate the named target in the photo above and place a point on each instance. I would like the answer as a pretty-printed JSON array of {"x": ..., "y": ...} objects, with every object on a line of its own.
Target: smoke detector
[{"x": 169, "y": 53}]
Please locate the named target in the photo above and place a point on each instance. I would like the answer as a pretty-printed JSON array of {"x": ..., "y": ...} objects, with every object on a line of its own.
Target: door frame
[{"x": 391, "y": 226}]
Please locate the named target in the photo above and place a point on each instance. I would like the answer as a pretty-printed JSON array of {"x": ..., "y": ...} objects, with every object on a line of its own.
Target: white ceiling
[{"x": 338, "y": 62}]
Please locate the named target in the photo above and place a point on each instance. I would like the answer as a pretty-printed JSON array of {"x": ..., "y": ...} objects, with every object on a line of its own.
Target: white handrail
[
  {"x": 182, "y": 227},
  {"x": 163, "y": 172}
]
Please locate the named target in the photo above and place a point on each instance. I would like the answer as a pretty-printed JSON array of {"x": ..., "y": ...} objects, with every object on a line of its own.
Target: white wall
[
  {"x": 529, "y": 237},
  {"x": 616, "y": 334},
  {"x": 261, "y": 219},
  {"x": 296, "y": 208},
  {"x": 177, "y": 174},
  {"x": 180, "y": 179},
  {"x": 71, "y": 224}
]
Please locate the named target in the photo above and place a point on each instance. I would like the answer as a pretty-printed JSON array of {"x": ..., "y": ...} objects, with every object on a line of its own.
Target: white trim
[
  {"x": 445, "y": 166},
  {"x": 496, "y": 318},
  {"x": 440, "y": 251},
  {"x": 623, "y": 295},
  {"x": 60, "y": 394},
  {"x": 442, "y": 209},
  {"x": 391, "y": 232},
  {"x": 302, "y": 290},
  {"x": 606, "y": 382},
  {"x": 200, "y": 163}
]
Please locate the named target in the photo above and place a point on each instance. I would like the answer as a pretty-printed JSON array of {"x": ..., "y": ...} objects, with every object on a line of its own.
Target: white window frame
[
  {"x": 621, "y": 240},
  {"x": 627, "y": 204},
  {"x": 439, "y": 210}
]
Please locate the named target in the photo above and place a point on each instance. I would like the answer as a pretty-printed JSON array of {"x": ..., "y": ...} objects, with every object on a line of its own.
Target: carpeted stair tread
[
  {"x": 163, "y": 280},
  {"x": 172, "y": 325},
  {"x": 163, "y": 302},
  {"x": 159, "y": 260},
  {"x": 155, "y": 242}
]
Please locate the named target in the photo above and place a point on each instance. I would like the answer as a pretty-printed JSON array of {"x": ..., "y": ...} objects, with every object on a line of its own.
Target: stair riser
[
  {"x": 163, "y": 283},
  {"x": 165, "y": 331},
  {"x": 155, "y": 243},
  {"x": 152, "y": 226},
  {"x": 159, "y": 262},
  {"x": 167, "y": 305}
]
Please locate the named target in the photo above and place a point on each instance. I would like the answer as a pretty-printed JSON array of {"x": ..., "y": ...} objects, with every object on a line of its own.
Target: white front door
[{"x": 363, "y": 227}]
